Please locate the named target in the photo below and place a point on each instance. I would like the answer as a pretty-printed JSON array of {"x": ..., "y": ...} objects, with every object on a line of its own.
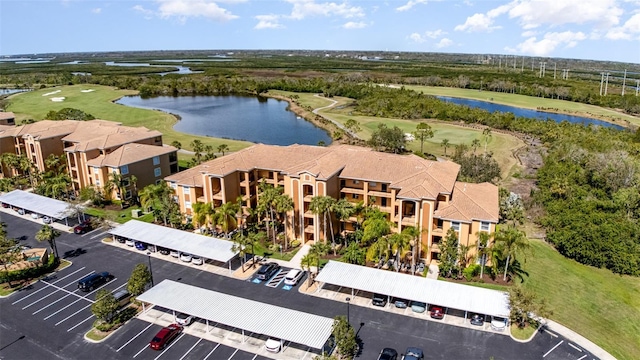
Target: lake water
[
  {"x": 259, "y": 120},
  {"x": 528, "y": 113}
]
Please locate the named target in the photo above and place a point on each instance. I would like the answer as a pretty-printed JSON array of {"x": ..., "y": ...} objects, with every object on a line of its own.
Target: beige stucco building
[{"x": 412, "y": 191}]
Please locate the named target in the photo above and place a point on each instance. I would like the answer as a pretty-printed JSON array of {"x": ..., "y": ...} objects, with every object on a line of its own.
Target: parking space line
[
  {"x": 37, "y": 291},
  {"x": 81, "y": 322},
  {"x": 133, "y": 338},
  {"x": 90, "y": 232},
  {"x": 188, "y": 351},
  {"x": 55, "y": 287},
  {"x": 550, "y": 333},
  {"x": 553, "y": 348},
  {"x": 61, "y": 321},
  {"x": 233, "y": 354},
  {"x": 170, "y": 345},
  {"x": 211, "y": 352},
  {"x": 141, "y": 350},
  {"x": 254, "y": 357},
  {"x": 575, "y": 347},
  {"x": 583, "y": 356},
  {"x": 50, "y": 304}
]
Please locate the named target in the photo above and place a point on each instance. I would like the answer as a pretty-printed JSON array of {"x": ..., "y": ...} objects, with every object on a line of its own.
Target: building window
[
  {"x": 126, "y": 182},
  {"x": 157, "y": 172},
  {"x": 373, "y": 184},
  {"x": 173, "y": 185},
  {"x": 356, "y": 182},
  {"x": 384, "y": 187},
  {"x": 96, "y": 170},
  {"x": 455, "y": 225},
  {"x": 383, "y": 202},
  {"x": 186, "y": 190},
  {"x": 156, "y": 160},
  {"x": 97, "y": 182},
  {"x": 127, "y": 195},
  {"x": 485, "y": 226},
  {"x": 124, "y": 169},
  {"x": 187, "y": 204},
  {"x": 355, "y": 196}
]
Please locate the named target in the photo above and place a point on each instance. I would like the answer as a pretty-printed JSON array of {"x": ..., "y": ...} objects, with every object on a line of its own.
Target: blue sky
[{"x": 585, "y": 29}]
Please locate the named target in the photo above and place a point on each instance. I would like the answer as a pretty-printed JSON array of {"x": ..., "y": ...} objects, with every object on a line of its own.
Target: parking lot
[{"x": 56, "y": 316}]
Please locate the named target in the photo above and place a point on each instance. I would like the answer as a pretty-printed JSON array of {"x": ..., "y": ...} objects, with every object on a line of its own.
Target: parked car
[
  {"x": 46, "y": 220},
  {"x": 477, "y": 319},
  {"x": 93, "y": 281},
  {"x": 185, "y": 257},
  {"x": 83, "y": 227},
  {"x": 498, "y": 323},
  {"x": 130, "y": 242},
  {"x": 273, "y": 345},
  {"x": 123, "y": 298},
  {"x": 140, "y": 246},
  {"x": 163, "y": 251},
  {"x": 418, "y": 307},
  {"x": 20, "y": 211},
  {"x": 5, "y": 205},
  {"x": 184, "y": 319},
  {"x": 293, "y": 276},
  {"x": 267, "y": 270},
  {"x": 436, "y": 312},
  {"x": 400, "y": 303},
  {"x": 413, "y": 353},
  {"x": 197, "y": 260},
  {"x": 379, "y": 300},
  {"x": 388, "y": 354},
  {"x": 165, "y": 336},
  {"x": 175, "y": 253},
  {"x": 35, "y": 215}
]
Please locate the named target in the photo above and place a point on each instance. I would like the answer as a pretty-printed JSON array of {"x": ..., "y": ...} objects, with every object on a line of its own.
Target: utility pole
[
  {"x": 531, "y": 64},
  {"x": 554, "y": 71},
  {"x": 624, "y": 81},
  {"x": 522, "y": 68},
  {"x": 601, "y": 82},
  {"x": 637, "y": 86},
  {"x": 606, "y": 85},
  {"x": 500, "y": 62},
  {"x": 542, "y": 68},
  {"x": 567, "y": 74},
  {"x": 515, "y": 60}
]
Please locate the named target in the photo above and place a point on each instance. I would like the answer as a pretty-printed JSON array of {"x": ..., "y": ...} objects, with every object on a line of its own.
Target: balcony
[
  {"x": 409, "y": 219},
  {"x": 309, "y": 229},
  {"x": 307, "y": 198},
  {"x": 308, "y": 214},
  {"x": 348, "y": 190},
  {"x": 435, "y": 247},
  {"x": 217, "y": 196},
  {"x": 437, "y": 230},
  {"x": 379, "y": 194}
]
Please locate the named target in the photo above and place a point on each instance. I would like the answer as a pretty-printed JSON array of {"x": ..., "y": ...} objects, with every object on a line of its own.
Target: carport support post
[
  {"x": 465, "y": 314},
  {"x": 207, "y": 321},
  {"x": 242, "y": 335}
]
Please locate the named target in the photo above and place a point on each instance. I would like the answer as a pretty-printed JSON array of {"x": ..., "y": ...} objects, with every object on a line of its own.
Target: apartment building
[
  {"x": 7, "y": 118},
  {"x": 412, "y": 191},
  {"x": 94, "y": 149}
]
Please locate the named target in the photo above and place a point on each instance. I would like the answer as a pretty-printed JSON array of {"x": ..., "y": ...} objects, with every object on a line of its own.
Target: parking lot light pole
[
  {"x": 348, "y": 303},
  {"x": 150, "y": 269}
]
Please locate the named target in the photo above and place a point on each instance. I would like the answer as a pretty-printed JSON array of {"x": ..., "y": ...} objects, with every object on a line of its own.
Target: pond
[
  {"x": 255, "y": 119},
  {"x": 528, "y": 113}
]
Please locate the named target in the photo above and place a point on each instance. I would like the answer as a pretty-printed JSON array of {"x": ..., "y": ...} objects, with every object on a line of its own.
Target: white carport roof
[
  {"x": 38, "y": 204},
  {"x": 274, "y": 321},
  {"x": 183, "y": 241},
  {"x": 410, "y": 287}
]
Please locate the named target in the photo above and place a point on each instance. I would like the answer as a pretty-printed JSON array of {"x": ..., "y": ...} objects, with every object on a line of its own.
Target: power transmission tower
[
  {"x": 522, "y": 68},
  {"x": 606, "y": 85},
  {"x": 554, "y": 71},
  {"x": 637, "y": 86},
  {"x": 601, "y": 82},
  {"x": 624, "y": 81}
]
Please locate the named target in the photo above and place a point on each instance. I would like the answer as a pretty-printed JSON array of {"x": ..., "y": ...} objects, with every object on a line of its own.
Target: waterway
[
  {"x": 255, "y": 119},
  {"x": 528, "y": 113}
]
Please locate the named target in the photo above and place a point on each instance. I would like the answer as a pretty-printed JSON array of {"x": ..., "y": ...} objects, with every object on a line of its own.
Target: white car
[
  {"x": 130, "y": 242},
  {"x": 184, "y": 319},
  {"x": 35, "y": 215},
  {"x": 46, "y": 220},
  {"x": 196, "y": 260},
  {"x": 498, "y": 323},
  {"x": 175, "y": 253},
  {"x": 293, "y": 276},
  {"x": 273, "y": 345},
  {"x": 185, "y": 257}
]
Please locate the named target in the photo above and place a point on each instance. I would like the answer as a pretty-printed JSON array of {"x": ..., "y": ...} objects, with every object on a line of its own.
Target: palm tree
[
  {"x": 198, "y": 148},
  {"x": 463, "y": 257},
  {"x": 284, "y": 204},
  {"x": 486, "y": 133},
  {"x": 49, "y": 234},
  {"x": 241, "y": 243},
  {"x": 318, "y": 250},
  {"x": 343, "y": 209},
  {"x": 474, "y": 144},
  {"x": 200, "y": 213},
  {"x": 222, "y": 148},
  {"x": 55, "y": 164},
  {"x": 176, "y": 144},
  {"x": 483, "y": 248},
  {"x": 511, "y": 241},
  {"x": 399, "y": 244},
  {"x": 321, "y": 205},
  {"x": 116, "y": 181},
  {"x": 423, "y": 132},
  {"x": 226, "y": 216},
  {"x": 134, "y": 182},
  {"x": 445, "y": 144},
  {"x": 414, "y": 234},
  {"x": 307, "y": 262},
  {"x": 267, "y": 203},
  {"x": 354, "y": 254},
  {"x": 158, "y": 197}
]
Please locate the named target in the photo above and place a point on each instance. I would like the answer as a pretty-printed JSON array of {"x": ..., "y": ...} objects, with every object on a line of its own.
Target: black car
[
  {"x": 477, "y": 319},
  {"x": 163, "y": 251},
  {"x": 267, "y": 270},
  {"x": 379, "y": 300},
  {"x": 88, "y": 283},
  {"x": 83, "y": 227},
  {"x": 388, "y": 354}
]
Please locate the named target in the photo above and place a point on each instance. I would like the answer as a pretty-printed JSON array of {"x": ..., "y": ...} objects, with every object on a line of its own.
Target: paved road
[{"x": 46, "y": 322}]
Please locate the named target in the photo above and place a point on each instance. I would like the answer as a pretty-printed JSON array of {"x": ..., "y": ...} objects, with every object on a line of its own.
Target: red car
[
  {"x": 165, "y": 336},
  {"x": 437, "y": 312},
  {"x": 83, "y": 227}
]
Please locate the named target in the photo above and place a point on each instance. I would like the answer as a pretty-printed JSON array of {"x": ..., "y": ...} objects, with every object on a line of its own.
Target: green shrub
[
  {"x": 471, "y": 271},
  {"x": 29, "y": 273},
  {"x": 274, "y": 247},
  {"x": 295, "y": 243}
]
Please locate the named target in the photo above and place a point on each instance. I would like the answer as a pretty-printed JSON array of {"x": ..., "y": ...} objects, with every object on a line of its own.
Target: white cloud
[
  {"x": 417, "y": 38},
  {"x": 148, "y": 14},
  {"x": 183, "y": 9},
  {"x": 420, "y": 38},
  {"x": 268, "y": 22},
  {"x": 444, "y": 42},
  {"x": 355, "y": 25},
  {"x": 627, "y": 31},
  {"x": 483, "y": 22},
  {"x": 96, "y": 10},
  {"x": 435, "y": 34},
  {"x": 305, "y": 8},
  {"x": 550, "y": 41},
  {"x": 534, "y": 13},
  {"x": 529, "y": 33},
  {"x": 410, "y": 4}
]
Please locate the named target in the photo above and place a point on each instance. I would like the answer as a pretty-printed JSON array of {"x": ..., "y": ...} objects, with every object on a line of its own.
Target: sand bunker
[
  {"x": 51, "y": 93},
  {"x": 86, "y": 91},
  {"x": 58, "y": 99}
]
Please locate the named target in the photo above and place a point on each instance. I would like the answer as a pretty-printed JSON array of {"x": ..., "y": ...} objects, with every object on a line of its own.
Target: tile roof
[
  {"x": 7, "y": 115},
  {"x": 100, "y": 134},
  {"x": 414, "y": 176},
  {"x": 471, "y": 202},
  {"x": 7, "y": 131},
  {"x": 46, "y": 129},
  {"x": 130, "y": 153}
]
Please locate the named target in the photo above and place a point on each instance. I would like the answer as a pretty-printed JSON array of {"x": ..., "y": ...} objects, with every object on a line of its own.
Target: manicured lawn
[
  {"x": 262, "y": 250},
  {"x": 529, "y": 102},
  {"x": 119, "y": 216},
  {"x": 601, "y": 306},
  {"x": 99, "y": 103}
]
